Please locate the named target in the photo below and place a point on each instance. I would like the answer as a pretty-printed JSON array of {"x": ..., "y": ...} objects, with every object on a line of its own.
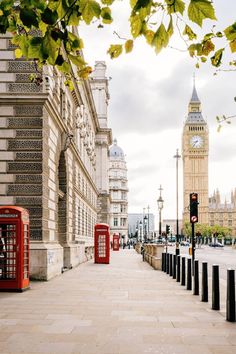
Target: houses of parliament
[{"x": 195, "y": 153}]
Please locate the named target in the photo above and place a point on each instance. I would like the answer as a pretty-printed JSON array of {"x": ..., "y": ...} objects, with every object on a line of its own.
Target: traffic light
[
  {"x": 167, "y": 229},
  {"x": 193, "y": 207}
]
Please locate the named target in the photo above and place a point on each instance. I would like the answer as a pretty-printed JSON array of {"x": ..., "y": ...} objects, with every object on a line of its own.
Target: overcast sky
[{"x": 149, "y": 96}]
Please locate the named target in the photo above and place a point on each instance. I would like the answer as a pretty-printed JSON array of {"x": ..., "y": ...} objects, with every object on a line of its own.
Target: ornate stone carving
[
  {"x": 23, "y": 78},
  {"x": 29, "y": 200},
  {"x": 22, "y": 66},
  {"x": 31, "y": 87},
  {"x": 24, "y": 145},
  {"x": 24, "y": 189},
  {"x": 25, "y": 167},
  {"x": 29, "y": 179},
  {"x": 28, "y": 156},
  {"x": 28, "y": 110},
  {"x": 29, "y": 133},
  {"x": 25, "y": 123},
  {"x": 36, "y": 234}
]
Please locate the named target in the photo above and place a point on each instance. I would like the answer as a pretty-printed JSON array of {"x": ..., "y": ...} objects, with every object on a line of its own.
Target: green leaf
[
  {"x": 89, "y": 10},
  {"x": 170, "y": 29},
  {"x": 216, "y": 59},
  {"x": 106, "y": 15},
  {"x": 136, "y": 25},
  {"x": 28, "y": 17},
  {"x": 74, "y": 18},
  {"x": 233, "y": 46},
  {"x": 207, "y": 47},
  {"x": 49, "y": 17},
  {"x": 189, "y": 32},
  {"x": 65, "y": 68},
  {"x": 50, "y": 49},
  {"x": 174, "y": 6},
  {"x": 149, "y": 35},
  {"x": 107, "y": 2},
  {"x": 199, "y": 10},
  {"x": 230, "y": 32},
  {"x": 85, "y": 72},
  {"x": 77, "y": 60},
  {"x": 161, "y": 38},
  {"x": 34, "y": 50},
  {"x": 18, "y": 53},
  {"x": 129, "y": 45},
  {"x": 141, "y": 4},
  {"x": 115, "y": 50},
  {"x": 203, "y": 59}
]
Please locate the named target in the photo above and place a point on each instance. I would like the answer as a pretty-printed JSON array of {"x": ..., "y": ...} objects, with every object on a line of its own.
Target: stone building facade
[
  {"x": 52, "y": 145},
  {"x": 195, "y": 151},
  {"x": 223, "y": 214},
  {"x": 118, "y": 185}
]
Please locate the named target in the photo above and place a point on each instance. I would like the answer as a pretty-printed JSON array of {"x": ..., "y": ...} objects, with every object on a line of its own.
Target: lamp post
[
  {"x": 140, "y": 230},
  {"x": 148, "y": 208},
  {"x": 160, "y": 203},
  {"x": 145, "y": 228},
  {"x": 177, "y": 157}
]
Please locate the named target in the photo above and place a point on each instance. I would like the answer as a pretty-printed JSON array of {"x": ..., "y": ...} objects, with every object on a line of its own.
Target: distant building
[
  {"x": 172, "y": 223},
  {"x": 137, "y": 224},
  {"x": 223, "y": 214},
  {"x": 118, "y": 185}
]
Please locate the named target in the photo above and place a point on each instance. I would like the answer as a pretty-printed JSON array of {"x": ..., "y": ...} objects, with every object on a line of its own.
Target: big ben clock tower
[{"x": 195, "y": 147}]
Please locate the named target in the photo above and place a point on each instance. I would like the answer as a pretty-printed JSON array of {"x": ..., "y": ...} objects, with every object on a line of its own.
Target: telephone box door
[
  {"x": 101, "y": 243},
  {"x": 116, "y": 242},
  {"x": 14, "y": 248},
  {"x": 9, "y": 255}
]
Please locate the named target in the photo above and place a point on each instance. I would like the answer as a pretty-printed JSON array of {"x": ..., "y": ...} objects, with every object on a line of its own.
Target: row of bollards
[{"x": 175, "y": 266}]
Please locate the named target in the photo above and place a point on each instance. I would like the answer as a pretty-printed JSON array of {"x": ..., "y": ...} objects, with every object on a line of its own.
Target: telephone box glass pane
[
  {"x": 26, "y": 251},
  {"x": 7, "y": 251},
  {"x": 102, "y": 245}
]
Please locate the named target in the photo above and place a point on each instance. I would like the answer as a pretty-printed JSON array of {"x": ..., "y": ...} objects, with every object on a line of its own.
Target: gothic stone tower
[{"x": 195, "y": 148}]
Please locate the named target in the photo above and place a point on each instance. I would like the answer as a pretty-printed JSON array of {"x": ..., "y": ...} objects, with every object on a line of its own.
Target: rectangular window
[{"x": 115, "y": 223}]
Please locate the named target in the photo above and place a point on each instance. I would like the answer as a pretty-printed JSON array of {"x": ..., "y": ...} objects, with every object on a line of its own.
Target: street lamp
[
  {"x": 140, "y": 230},
  {"x": 160, "y": 203},
  {"x": 145, "y": 228},
  {"x": 177, "y": 157}
]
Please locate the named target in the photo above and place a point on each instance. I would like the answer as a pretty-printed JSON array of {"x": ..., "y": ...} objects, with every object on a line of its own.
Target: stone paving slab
[{"x": 125, "y": 307}]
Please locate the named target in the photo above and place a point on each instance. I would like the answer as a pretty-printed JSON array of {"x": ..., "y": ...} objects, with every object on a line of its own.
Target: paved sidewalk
[{"x": 122, "y": 308}]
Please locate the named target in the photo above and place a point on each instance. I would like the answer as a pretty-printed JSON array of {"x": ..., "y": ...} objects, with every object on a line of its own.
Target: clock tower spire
[{"x": 195, "y": 149}]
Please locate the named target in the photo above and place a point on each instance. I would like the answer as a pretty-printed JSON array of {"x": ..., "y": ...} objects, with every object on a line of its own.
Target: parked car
[
  {"x": 184, "y": 243},
  {"x": 216, "y": 244}
]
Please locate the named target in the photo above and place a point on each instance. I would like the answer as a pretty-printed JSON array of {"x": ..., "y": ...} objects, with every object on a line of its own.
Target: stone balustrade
[{"x": 152, "y": 254}]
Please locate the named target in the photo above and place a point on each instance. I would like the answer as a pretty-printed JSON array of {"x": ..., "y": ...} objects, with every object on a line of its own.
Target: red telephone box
[
  {"x": 101, "y": 243},
  {"x": 116, "y": 242},
  {"x": 14, "y": 248}
]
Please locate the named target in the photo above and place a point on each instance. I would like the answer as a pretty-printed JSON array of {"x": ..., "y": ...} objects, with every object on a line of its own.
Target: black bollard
[
  {"x": 189, "y": 274},
  {"x": 162, "y": 261},
  {"x": 178, "y": 269},
  {"x": 164, "y": 265},
  {"x": 183, "y": 274},
  {"x": 215, "y": 287},
  {"x": 167, "y": 263},
  {"x": 171, "y": 266},
  {"x": 196, "y": 278},
  {"x": 204, "y": 282},
  {"x": 230, "y": 302},
  {"x": 174, "y": 266}
]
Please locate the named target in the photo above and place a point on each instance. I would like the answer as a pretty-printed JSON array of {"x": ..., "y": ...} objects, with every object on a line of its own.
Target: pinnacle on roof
[{"x": 194, "y": 97}]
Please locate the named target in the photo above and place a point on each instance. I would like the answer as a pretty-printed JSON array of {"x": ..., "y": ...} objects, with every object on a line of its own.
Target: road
[{"x": 224, "y": 257}]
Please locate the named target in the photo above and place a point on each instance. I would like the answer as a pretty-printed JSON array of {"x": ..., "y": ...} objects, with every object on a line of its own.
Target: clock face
[{"x": 196, "y": 141}]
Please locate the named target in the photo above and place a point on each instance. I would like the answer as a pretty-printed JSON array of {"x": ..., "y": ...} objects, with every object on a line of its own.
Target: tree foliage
[
  {"x": 206, "y": 230},
  {"x": 43, "y": 30}
]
